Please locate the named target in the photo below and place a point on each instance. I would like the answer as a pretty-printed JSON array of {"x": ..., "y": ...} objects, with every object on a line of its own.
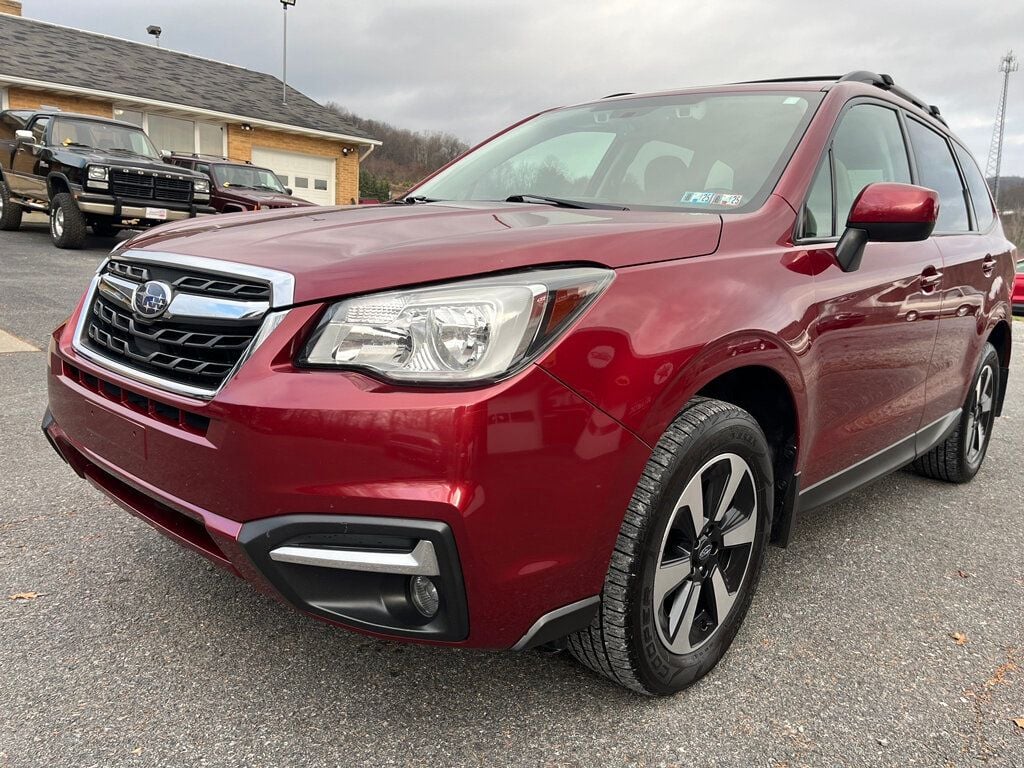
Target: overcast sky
[{"x": 471, "y": 67}]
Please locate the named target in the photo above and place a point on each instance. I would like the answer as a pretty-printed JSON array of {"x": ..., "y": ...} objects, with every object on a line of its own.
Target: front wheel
[
  {"x": 688, "y": 556},
  {"x": 67, "y": 224},
  {"x": 10, "y": 212}
]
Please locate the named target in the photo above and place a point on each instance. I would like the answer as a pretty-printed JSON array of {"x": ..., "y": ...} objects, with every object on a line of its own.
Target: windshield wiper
[
  {"x": 269, "y": 188},
  {"x": 413, "y": 200},
  {"x": 563, "y": 203},
  {"x": 75, "y": 144}
]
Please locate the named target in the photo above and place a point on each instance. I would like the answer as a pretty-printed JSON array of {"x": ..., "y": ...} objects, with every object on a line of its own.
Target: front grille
[
  {"x": 145, "y": 186},
  {"x": 194, "y": 351}
]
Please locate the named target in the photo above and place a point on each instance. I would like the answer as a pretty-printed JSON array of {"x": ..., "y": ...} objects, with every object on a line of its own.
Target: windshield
[
  {"x": 710, "y": 151},
  {"x": 105, "y": 136},
  {"x": 246, "y": 176}
]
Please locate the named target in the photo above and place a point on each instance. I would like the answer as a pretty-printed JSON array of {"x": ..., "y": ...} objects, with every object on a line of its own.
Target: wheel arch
[
  {"x": 1000, "y": 337},
  {"x": 57, "y": 183},
  {"x": 759, "y": 373}
]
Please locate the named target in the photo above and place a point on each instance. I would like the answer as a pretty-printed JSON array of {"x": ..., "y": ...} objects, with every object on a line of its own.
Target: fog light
[{"x": 424, "y": 596}]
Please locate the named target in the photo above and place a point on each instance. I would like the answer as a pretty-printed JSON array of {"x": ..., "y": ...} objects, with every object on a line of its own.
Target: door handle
[
  {"x": 988, "y": 265},
  {"x": 930, "y": 278}
]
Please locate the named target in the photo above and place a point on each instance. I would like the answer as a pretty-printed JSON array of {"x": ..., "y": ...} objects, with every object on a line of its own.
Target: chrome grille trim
[{"x": 282, "y": 294}]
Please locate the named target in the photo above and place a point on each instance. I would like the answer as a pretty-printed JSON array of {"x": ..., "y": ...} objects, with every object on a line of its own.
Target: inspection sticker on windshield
[
  {"x": 711, "y": 198},
  {"x": 160, "y": 214}
]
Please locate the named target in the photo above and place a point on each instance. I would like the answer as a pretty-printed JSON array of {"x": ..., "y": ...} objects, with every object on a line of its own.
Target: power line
[{"x": 1007, "y": 65}]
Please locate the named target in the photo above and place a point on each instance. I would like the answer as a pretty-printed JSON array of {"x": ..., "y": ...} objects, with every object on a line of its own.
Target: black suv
[{"x": 89, "y": 171}]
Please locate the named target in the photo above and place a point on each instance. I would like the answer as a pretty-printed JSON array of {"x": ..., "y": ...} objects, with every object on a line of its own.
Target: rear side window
[
  {"x": 984, "y": 214},
  {"x": 937, "y": 170},
  {"x": 867, "y": 147}
]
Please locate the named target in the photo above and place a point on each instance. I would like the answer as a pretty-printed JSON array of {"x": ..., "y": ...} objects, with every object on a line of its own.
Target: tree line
[{"x": 404, "y": 158}]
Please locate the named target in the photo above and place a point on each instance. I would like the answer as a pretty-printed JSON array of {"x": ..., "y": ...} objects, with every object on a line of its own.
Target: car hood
[
  {"x": 263, "y": 197},
  {"x": 339, "y": 251},
  {"x": 91, "y": 156}
]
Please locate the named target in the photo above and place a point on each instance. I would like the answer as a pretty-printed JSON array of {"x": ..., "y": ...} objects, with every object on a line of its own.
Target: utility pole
[
  {"x": 284, "y": 59},
  {"x": 1007, "y": 65}
]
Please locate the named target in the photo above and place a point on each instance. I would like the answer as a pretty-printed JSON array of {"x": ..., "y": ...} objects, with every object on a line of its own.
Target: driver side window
[
  {"x": 867, "y": 147},
  {"x": 39, "y": 129}
]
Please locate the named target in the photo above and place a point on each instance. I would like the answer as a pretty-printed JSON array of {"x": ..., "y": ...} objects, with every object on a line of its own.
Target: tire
[
  {"x": 660, "y": 649},
  {"x": 10, "y": 212},
  {"x": 67, "y": 224},
  {"x": 104, "y": 228},
  {"x": 958, "y": 458}
]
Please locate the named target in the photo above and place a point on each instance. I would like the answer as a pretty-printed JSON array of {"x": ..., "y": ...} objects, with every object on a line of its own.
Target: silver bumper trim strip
[{"x": 422, "y": 561}]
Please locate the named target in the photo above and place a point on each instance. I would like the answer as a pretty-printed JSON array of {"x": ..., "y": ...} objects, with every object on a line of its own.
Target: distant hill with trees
[
  {"x": 1011, "y": 205},
  {"x": 404, "y": 158}
]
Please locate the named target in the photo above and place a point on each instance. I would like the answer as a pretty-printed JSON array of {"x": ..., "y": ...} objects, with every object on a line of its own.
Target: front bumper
[
  {"x": 125, "y": 208},
  {"x": 521, "y": 487}
]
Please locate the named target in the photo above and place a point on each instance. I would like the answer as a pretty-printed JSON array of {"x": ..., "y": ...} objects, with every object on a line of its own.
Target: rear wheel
[
  {"x": 688, "y": 556},
  {"x": 958, "y": 458},
  {"x": 10, "y": 212},
  {"x": 67, "y": 224}
]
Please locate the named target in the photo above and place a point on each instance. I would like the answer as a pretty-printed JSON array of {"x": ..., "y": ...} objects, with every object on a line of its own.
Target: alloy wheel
[
  {"x": 705, "y": 553},
  {"x": 980, "y": 415}
]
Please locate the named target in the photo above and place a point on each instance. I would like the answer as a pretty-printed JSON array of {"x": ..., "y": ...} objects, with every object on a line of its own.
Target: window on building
[
  {"x": 128, "y": 116},
  {"x": 302, "y": 182},
  {"x": 938, "y": 171},
  {"x": 210, "y": 138},
  {"x": 320, "y": 184},
  {"x": 172, "y": 133}
]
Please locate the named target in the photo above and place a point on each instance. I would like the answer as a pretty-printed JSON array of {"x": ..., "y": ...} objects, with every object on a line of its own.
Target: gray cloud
[{"x": 470, "y": 68}]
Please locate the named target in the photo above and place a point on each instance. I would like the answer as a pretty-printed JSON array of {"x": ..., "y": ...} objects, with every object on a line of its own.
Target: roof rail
[
  {"x": 886, "y": 83},
  {"x": 802, "y": 79},
  {"x": 613, "y": 95}
]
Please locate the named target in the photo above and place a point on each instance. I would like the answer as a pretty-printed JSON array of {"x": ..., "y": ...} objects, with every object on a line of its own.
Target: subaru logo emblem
[{"x": 150, "y": 300}]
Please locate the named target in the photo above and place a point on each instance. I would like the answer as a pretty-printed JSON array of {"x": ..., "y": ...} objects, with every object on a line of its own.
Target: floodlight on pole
[{"x": 285, "y": 4}]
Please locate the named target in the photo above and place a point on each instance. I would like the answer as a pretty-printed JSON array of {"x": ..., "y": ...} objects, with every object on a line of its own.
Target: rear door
[
  {"x": 971, "y": 248},
  {"x": 876, "y": 326}
]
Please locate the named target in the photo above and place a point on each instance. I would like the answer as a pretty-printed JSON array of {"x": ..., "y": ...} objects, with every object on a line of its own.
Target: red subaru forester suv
[{"x": 565, "y": 391}]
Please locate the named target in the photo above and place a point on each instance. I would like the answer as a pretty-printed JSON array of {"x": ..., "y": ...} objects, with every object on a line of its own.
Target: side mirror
[
  {"x": 288, "y": 190},
  {"x": 886, "y": 213},
  {"x": 165, "y": 154},
  {"x": 24, "y": 137}
]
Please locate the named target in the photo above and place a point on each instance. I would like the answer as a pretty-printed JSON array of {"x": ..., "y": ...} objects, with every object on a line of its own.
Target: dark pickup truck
[{"x": 88, "y": 171}]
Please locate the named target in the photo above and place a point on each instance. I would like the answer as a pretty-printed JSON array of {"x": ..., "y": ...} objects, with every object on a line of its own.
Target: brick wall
[
  {"x": 12, "y": 7},
  {"x": 346, "y": 183},
  {"x": 21, "y": 98}
]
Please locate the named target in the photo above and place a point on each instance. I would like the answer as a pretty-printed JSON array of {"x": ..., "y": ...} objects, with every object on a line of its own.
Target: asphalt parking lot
[{"x": 137, "y": 652}]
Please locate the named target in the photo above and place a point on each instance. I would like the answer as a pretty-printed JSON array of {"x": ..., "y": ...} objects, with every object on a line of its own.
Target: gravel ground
[{"x": 138, "y": 653}]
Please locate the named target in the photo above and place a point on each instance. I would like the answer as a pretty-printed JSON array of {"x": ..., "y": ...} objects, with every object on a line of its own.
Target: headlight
[
  {"x": 201, "y": 185},
  {"x": 98, "y": 172},
  {"x": 471, "y": 331}
]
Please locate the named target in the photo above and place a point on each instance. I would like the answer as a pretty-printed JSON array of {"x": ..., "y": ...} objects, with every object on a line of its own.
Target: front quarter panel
[{"x": 664, "y": 331}]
